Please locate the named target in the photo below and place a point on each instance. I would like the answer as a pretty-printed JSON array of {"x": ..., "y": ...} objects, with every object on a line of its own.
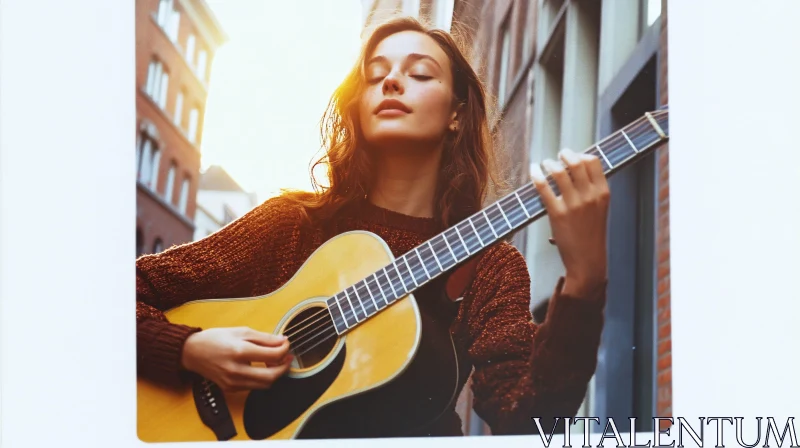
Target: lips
[{"x": 392, "y": 105}]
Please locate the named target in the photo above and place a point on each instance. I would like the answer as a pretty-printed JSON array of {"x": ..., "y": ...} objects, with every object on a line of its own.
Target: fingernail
[
  {"x": 568, "y": 154},
  {"x": 536, "y": 172},
  {"x": 551, "y": 165}
]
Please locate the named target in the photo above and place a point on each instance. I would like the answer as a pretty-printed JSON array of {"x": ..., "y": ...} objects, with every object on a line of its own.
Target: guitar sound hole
[{"x": 312, "y": 337}]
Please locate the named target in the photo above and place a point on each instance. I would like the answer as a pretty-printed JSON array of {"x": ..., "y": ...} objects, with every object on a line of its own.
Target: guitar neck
[{"x": 472, "y": 235}]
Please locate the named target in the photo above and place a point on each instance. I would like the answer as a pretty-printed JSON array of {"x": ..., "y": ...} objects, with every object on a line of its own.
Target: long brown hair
[{"x": 468, "y": 174}]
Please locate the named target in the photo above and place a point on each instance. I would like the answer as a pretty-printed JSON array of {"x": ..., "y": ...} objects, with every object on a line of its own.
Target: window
[
  {"x": 442, "y": 12},
  {"x": 157, "y": 83},
  {"x": 147, "y": 159},
  {"x": 527, "y": 31},
  {"x": 174, "y": 26},
  {"x": 194, "y": 116},
  {"x": 411, "y": 8},
  {"x": 190, "y": 49},
  {"x": 158, "y": 246},
  {"x": 201, "y": 65},
  {"x": 184, "y": 200},
  {"x": 228, "y": 215},
  {"x": 165, "y": 7},
  {"x": 168, "y": 18},
  {"x": 169, "y": 192},
  {"x": 178, "y": 115},
  {"x": 505, "y": 55},
  {"x": 651, "y": 11}
]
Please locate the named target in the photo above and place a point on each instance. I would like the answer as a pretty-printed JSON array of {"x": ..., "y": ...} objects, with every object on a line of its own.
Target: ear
[{"x": 454, "y": 118}]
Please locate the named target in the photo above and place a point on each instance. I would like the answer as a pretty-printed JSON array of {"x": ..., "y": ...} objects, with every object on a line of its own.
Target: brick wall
[
  {"x": 155, "y": 218},
  {"x": 664, "y": 366}
]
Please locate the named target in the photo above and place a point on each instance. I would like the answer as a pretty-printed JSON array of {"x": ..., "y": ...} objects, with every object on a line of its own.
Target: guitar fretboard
[{"x": 450, "y": 248}]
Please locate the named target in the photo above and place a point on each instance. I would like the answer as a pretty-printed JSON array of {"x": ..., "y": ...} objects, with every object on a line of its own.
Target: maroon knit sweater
[{"x": 521, "y": 369}]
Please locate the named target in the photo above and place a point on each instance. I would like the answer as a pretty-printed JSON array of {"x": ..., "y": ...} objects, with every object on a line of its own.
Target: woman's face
[{"x": 409, "y": 92}]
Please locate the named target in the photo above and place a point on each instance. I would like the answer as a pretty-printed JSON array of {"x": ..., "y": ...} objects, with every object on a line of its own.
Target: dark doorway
[{"x": 625, "y": 383}]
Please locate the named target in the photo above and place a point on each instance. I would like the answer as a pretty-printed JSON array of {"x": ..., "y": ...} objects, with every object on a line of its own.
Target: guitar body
[{"x": 361, "y": 384}]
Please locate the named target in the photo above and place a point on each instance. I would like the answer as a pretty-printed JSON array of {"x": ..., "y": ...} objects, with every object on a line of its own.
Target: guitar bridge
[{"x": 212, "y": 409}]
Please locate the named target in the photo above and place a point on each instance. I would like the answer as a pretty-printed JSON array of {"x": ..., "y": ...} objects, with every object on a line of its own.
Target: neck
[{"x": 406, "y": 181}]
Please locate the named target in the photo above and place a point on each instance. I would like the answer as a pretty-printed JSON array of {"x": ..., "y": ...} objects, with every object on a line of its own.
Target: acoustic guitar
[{"x": 355, "y": 329}]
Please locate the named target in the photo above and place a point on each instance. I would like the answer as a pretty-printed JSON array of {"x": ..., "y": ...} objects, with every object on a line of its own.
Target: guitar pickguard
[{"x": 268, "y": 411}]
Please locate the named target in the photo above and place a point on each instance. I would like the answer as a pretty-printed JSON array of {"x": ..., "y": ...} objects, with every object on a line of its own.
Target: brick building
[
  {"x": 175, "y": 45},
  {"x": 567, "y": 73}
]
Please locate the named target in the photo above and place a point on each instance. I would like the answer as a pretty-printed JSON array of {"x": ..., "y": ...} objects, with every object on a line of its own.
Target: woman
[{"x": 409, "y": 153}]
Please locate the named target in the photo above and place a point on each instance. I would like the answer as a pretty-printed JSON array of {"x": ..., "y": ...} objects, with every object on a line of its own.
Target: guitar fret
[
  {"x": 500, "y": 207},
  {"x": 604, "y": 156},
  {"x": 433, "y": 251},
  {"x": 351, "y": 305},
  {"x": 466, "y": 248},
  {"x": 416, "y": 250},
  {"x": 480, "y": 240},
  {"x": 630, "y": 142},
  {"x": 369, "y": 291},
  {"x": 361, "y": 301},
  {"x": 399, "y": 277},
  {"x": 490, "y": 223},
  {"x": 390, "y": 282},
  {"x": 380, "y": 288},
  {"x": 444, "y": 237},
  {"x": 410, "y": 272},
  {"x": 341, "y": 311},
  {"x": 524, "y": 209}
]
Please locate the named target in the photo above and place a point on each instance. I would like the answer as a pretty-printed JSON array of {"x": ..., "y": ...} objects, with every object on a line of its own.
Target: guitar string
[
  {"x": 328, "y": 330},
  {"x": 633, "y": 134},
  {"x": 637, "y": 126}
]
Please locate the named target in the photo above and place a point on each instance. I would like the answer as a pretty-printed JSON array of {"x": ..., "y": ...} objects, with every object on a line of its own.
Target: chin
[{"x": 394, "y": 134}]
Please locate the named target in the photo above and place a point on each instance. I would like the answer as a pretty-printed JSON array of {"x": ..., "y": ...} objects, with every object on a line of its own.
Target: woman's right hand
[{"x": 228, "y": 357}]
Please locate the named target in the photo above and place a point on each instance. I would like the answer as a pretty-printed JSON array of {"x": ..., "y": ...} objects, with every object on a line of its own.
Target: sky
[{"x": 270, "y": 84}]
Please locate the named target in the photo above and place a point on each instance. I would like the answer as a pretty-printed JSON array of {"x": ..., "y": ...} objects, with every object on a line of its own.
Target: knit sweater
[{"x": 521, "y": 369}]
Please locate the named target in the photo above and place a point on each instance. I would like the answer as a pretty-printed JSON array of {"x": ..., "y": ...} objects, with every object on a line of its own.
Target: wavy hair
[{"x": 469, "y": 174}]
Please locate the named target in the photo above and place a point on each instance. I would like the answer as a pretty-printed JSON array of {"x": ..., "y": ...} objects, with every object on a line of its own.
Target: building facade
[
  {"x": 567, "y": 73},
  {"x": 175, "y": 45},
  {"x": 220, "y": 201}
]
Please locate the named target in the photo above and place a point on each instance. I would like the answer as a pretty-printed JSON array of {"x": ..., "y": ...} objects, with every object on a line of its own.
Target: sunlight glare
[{"x": 270, "y": 84}]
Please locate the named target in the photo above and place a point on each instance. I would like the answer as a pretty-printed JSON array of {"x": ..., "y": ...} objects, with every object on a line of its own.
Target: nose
[{"x": 392, "y": 84}]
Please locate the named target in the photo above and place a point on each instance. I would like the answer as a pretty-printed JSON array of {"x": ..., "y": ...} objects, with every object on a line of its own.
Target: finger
[
  {"x": 577, "y": 169},
  {"x": 265, "y": 339},
  {"x": 287, "y": 359},
  {"x": 253, "y": 377},
  {"x": 594, "y": 169},
  {"x": 551, "y": 202},
  {"x": 258, "y": 353},
  {"x": 563, "y": 181}
]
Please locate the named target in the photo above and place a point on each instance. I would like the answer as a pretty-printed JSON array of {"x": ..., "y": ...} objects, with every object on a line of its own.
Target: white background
[{"x": 67, "y": 201}]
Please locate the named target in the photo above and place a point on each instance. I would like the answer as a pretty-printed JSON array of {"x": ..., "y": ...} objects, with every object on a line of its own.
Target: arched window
[
  {"x": 158, "y": 246},
  {"x": 148, "y": 158},
  {"x": 169, "y": 190},
  {"x": 183, "y": 205}
]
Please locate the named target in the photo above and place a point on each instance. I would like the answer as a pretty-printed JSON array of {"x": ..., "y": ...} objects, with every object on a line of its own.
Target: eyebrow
[{"x": 412, "y": 57}]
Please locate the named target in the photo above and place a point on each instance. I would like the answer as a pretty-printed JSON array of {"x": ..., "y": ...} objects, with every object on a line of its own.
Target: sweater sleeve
[
  {"x": 223, "y": 264},
  {"x": 524, "y": 370}
]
